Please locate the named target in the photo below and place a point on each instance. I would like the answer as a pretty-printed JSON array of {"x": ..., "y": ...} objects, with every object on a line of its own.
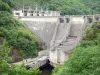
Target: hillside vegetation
[
  {"x": 15, "y": 40},
  {"x": 67, "y": 7},
  {"x": 23, "y": 42},
  {"x": 93, "y": 4},
  {"x": 85, "y": 60},
  {"x": 20, "y": 43}
]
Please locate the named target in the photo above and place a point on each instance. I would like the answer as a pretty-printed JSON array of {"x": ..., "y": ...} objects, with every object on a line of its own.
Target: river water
[
  {"x": 46, "y": 69},
  {"x": 46, "y": 72}
]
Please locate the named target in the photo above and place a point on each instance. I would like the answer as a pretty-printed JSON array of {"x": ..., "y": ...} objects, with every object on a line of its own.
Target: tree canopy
[
  {"x": 66, "y": 7},
  {"x": 14, "y": 36}
]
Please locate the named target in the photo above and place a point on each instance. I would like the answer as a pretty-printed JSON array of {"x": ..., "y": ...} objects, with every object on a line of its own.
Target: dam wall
[{"x": 61, "y": 34}]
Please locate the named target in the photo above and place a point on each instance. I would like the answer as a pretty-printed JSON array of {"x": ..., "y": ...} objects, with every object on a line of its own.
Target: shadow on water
[{"x": 46, "y": 69}]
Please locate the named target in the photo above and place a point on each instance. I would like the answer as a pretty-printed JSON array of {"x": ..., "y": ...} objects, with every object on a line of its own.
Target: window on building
[
  {"x": 31, "y": 14},
  {"x": 97, "y": 18},
  {"x": 37, "y": 11},
  {"x": 37, "y": 14},
  {"x": 25, "y": 11},
  {"x": 25, "y": 14},
  {"x": 90, "y": 20},
  {"x": 17, "y": 13},
  {"x": 67, "y": 20},
  {"x": 42, "y": 14},
  {"x": 32, "y": 11},
  {"x": 61, "y": 20}
]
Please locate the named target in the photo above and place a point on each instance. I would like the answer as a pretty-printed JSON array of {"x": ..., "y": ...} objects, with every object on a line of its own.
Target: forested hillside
[
  {"x": 16, "y": 42},
  {"x": 23, "y": 42},
  {"x": 67, "y": 7},
  {"x": 85, "y": 60},
  {"x": 93, "y": 4}
]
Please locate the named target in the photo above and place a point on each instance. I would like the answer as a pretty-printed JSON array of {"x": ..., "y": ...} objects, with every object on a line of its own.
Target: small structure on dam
[
  {"x": 60, "y": 34},
  {"x": 34, "y": 12}
]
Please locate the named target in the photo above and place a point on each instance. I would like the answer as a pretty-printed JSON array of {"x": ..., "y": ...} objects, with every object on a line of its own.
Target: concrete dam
[{"x": 60, "y": 35}]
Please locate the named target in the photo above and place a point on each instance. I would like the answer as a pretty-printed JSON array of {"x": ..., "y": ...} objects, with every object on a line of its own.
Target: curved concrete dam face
[
  {"x": 43, "y": 28},
  {"x": 53, "y": 29},
  {"x": 77, "y": 23},
  {"x": 69, "y": 38}
]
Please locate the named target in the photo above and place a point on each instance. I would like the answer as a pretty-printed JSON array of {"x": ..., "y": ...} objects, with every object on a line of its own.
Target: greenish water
[
  {"x": 46, "y": 69},
  {"x": 45, "y": 72}
]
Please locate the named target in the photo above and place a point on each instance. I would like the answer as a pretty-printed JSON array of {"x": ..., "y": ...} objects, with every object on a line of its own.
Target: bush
[
  {"x": 84, "y": 61},
  {"x": 92, "y": 31},
  {"x": 86, "y": 43},
  {"x": 7, "y": 21},
  {"x": 20, "y": 70},
  {"x": 26, "y": 44},
  {"x": 8, "y": 69},
  {"x": 4, "y": 7},
  {"x": 17, "y": 36}
]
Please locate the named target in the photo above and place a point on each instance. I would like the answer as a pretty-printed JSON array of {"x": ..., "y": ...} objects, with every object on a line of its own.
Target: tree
[
  {"x": 8, "y": 69},
  {"x": 4, "y": 7},
  {"x": 4, "y": 50}
]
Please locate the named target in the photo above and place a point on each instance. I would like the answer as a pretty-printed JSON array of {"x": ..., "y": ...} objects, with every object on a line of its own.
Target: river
[{"x": 46, "y": 69}]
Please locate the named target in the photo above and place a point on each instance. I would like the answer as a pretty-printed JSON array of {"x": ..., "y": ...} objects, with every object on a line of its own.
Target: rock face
[
  {"x": 15, "y": 55},
  {"x": 60, "y": 34}
]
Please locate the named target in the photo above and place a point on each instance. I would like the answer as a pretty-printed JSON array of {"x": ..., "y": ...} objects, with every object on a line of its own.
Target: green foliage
[
  {"x": 20, "y": 70},
  {"x": 92, "y": 31},
  {"x": 13, "y": 35},
  {"x": 93, "y": 4},
  {"x": 4, "y": 7},
  {"x": 4, "y": 50},
  {"x": 8, "y": 69},
  {"x": 17, "y": 36},
  {"x": 84, "y": 61},
  {"x": 66, "y": 7},
  {"x": 69, "y": 7},
  {"x": 7, "y": 21},
  {"x": 86, "y": 57},
  {"x": 8, "y": 2},
  {"x": 87, "y": 43},
  {"x": 56, "y": 69}
]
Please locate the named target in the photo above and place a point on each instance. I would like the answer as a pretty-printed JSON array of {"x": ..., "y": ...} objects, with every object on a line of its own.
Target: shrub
[
  {"x": 4, "y": 7},
  {"x": 92, "y": 31}
]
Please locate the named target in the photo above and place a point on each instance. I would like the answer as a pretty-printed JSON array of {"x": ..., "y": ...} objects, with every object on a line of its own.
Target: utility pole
[
  {"x": 23, "y": 8},
  {"x": 47, "y": 11},
  {"x": 36, "y": 9}
]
